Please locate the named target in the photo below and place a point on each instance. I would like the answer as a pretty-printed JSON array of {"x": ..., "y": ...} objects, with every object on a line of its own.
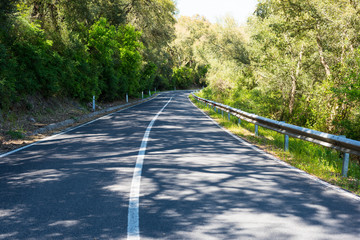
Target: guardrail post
[
  {"x": 286, "y": 141},
  {"x": 256, "y": 130},
  {"x": 149, "y": 93},
  {"x": 229, "y": 116},
  {"x": 127, "y": 98},
  {"x": 93, "y": 104},
  {"x": 345, "y": 166},
  {"x": 222, "y": 113},
  {"x": 142, "y": 95}
]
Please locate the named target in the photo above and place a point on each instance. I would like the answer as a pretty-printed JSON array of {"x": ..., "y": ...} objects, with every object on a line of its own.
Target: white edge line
[
  {"x": 133, "y": 230},
  {"x": 302, "y": 172},
  {"x": 70, "y": 129}
]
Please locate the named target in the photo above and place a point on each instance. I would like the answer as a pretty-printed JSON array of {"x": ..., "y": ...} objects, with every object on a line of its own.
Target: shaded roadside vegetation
[
  {"x": 78, "y": 49},
  {"x": 61, "y": 51}
]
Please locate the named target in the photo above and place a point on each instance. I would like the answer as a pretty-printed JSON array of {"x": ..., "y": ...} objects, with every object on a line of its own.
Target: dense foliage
[
  {"x": 295, "y": 61},
  {"x": 81, "y": 48}
]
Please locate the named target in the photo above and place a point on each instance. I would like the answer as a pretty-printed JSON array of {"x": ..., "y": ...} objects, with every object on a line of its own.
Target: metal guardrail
[{"x": 341, "y": 143}]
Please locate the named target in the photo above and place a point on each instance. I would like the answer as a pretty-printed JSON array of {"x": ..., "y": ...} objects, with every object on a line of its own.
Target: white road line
[
  {"x": 133, "y": 231},
  {"x": 341, "y": 191}
]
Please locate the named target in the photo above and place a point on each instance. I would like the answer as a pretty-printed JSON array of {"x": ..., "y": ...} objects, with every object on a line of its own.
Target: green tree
[
  {"x": 190, "y": 33},
  {"x": 155, "y": 19},
  {"x": 116, "y": 53}
]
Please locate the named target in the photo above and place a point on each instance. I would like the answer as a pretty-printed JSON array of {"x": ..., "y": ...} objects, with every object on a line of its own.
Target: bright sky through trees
[{"x": 215, "y": 9}]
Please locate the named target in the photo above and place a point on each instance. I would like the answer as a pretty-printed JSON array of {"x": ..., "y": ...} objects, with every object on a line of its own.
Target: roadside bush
[
  {"x": 183, "y": 77},
  {"x": 104, "y": 61},
  {"x": 116, "y": 53},
  {"x": 148, "y": 75},
  {"x": 8, "y": 67}
]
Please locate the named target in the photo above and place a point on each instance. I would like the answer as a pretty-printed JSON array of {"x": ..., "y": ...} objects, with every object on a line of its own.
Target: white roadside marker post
[{"x": 93, "y": 104}]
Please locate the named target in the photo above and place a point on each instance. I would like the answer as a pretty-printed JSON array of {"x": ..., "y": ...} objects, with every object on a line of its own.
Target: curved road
[{"x": 197, "y": 182}]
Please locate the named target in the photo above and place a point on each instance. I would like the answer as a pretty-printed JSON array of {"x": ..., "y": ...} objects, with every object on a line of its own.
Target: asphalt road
[{"x": 197, "y": 182}]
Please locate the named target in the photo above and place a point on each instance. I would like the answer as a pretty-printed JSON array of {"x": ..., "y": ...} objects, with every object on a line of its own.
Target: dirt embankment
[{"x": 34, "y": 118}]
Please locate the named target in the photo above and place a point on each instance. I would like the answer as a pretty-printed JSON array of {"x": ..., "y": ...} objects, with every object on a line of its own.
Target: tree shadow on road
[
  {"x": 75, "y": 186},
  {"x": 203, "y": 184}
]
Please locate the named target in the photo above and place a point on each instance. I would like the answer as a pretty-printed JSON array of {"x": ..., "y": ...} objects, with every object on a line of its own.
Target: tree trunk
[
  {"x": 292, "y": 94},
  {"x": 322, "y": 59},
  {"x": 38, "y": 11},
  {"x": 54, "y": 15},
  {"x": 294, "y": 77}
]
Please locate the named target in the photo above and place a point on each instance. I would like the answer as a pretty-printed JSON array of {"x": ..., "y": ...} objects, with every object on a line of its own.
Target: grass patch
[
  {"x": 15, "y": 134},
  {"x": 322, "y": 162}
]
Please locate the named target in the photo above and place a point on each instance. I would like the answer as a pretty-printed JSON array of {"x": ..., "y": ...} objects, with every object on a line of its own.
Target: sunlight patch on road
[
  {"x": 37, "y": 176},
  {"x": 65, "y": 223}
]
